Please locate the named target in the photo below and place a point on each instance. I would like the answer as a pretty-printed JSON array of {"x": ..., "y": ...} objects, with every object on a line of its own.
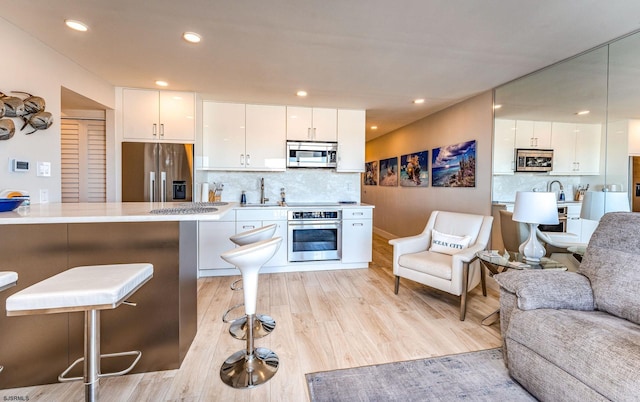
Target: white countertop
[
  {"x": 89, "y": 212},
  {"x": 126, "y": 212}
]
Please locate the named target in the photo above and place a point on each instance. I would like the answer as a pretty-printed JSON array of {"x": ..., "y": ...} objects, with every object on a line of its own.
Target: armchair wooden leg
[
  {"x": 397, "y": 286},
  {"x": 463, "y": 296}
]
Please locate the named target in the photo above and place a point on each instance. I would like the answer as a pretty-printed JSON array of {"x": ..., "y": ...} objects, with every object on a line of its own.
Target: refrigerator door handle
[
  {"x": 152, "y": 186},
  {"x": 163, "y": 193}
]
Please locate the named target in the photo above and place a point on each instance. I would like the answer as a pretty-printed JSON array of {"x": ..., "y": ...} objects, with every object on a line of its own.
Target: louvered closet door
[{"x": 83, "y": 161}]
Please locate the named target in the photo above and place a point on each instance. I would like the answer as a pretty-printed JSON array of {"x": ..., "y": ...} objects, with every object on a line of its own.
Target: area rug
[{"x": 473, "y": 376}]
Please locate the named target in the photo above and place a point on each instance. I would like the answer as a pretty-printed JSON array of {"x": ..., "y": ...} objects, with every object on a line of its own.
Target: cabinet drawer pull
[
  {"x": 241, "y": 159},
  {"x": 248, "y": 226},
  {"x": 162, "y": 130},
  {"x": 357, "y": 213},
  {"x": 357, "y": 224},
  {"x": 155, "y": 129},
  {"x": 248, "y": 159}
]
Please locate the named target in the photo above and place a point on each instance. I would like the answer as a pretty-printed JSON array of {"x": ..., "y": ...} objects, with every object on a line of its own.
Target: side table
[{"x": 495, "y": 264}]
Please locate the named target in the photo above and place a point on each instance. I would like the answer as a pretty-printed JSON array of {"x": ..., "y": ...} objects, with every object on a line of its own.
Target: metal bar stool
[
  {"x": 264, "y": 324},
  {"x": 251, "y": 366},
  {"x": 89, "y": 289},
  {"x": 7, "y": 280}
]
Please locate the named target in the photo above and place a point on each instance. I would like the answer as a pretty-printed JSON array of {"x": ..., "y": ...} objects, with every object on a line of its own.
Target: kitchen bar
[{"x": 42, "y": 240}]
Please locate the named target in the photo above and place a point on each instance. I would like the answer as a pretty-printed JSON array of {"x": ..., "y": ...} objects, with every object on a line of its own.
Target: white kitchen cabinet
[
  {"x": 503, "y": 147},
  {"x": 243, "y": 137},
  {"x": 357, "y": 226},
  {"x": 576, "y": 149},
  {"x": 150, "y": 115},
  {"x": 351, "y": 141},
  {"x": 312, "y": 124},
  {"x": 213, "y": 240},
  {"x": 532, "y": 134}
]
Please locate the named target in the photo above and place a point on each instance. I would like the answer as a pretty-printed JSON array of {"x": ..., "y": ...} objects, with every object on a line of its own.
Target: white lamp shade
[
  {"x": 536, "y": 207},
  {"x": 597, "y": 203}
]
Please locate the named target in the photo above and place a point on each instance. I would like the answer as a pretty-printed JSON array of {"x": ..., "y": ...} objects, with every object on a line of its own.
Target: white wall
[
  {"x": 29, "y": 65},
  {"x": 404, "y": 211}
]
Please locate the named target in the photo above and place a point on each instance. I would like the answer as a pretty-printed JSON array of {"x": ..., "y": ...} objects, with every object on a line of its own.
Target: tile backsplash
[
  {"x": 301, "y": 185},
  {"x": 506, "y": 186}
]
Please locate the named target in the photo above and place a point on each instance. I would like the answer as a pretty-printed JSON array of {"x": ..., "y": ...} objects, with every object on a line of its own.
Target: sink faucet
[
  {"x": 263, "y": 199},
  {"x": 561, "y": 196}
]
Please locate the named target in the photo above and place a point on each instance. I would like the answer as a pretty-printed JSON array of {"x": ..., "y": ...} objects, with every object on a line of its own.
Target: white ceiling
[{"x": 376, "y": 55}]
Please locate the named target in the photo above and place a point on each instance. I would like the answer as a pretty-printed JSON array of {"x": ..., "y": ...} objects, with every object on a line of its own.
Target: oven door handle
[{"x": 314, "y": 223}]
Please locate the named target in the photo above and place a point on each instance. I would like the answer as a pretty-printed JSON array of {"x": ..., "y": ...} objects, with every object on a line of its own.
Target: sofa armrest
[{"x": 537, "y": 289}]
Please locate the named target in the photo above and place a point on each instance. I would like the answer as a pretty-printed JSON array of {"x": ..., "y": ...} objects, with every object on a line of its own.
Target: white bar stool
[
  {"x": 89, "y": 289},
  {"x": 252, "y": 366},
  {"x": 264, "y": 324},
  {"x": 7, "y": 280}
]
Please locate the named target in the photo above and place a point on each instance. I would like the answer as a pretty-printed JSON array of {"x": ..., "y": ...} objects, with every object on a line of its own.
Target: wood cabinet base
[{"x": 36, "y": 349}]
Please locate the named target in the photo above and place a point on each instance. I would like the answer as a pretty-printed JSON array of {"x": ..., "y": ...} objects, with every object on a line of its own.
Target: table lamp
[
  {"x": 534, "y": 208},
  {"x": 597, "y": 203}
]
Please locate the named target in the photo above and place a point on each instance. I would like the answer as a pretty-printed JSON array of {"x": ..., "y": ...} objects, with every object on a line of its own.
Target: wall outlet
[{"x": 44, "y": 196}]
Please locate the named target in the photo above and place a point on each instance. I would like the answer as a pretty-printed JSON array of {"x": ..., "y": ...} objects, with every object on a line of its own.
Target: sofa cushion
[
  {"x": 596, "y": 348},
  {"x": 447, "y": 243},
  {"x": 612, "y": 264},
  {"x": 428, "y": 262}
]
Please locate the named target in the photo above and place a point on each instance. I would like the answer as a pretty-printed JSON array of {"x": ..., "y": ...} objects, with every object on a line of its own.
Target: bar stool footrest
[
  {"x": 225, "y": 318},
  {"x": 236, "y": 285},
  {"x": 136, "y": 353}
]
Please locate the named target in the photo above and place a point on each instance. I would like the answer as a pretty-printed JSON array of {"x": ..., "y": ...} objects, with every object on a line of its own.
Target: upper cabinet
[
  {"x": 351, "y": 141},
  {"x": 243, "y": 137},
  {"x": 576, "y": 149},
  {"x": 150, "y": 115},
  {"x": 312, "y": 124},
  {"x": 532, "y": 134},
  {"x": 503, "y": 149}
]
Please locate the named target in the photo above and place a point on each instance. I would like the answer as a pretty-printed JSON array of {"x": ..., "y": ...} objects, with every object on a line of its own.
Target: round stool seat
[
  {"x": 264, "y": 323},
  {"x": 249, "y": 259},
  {"x": 254, "y": 235},
  {"x": 252, "y": 366}
]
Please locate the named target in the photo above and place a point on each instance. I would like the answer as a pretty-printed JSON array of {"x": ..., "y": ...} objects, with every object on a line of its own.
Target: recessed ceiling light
[
  {"x": 497, "y": 106},
  {"x": 162, "y": 83},
  {"x": 301, "y": 94},
  {"x": 583, "y": 112},
  {"x": 191, "y": 37},
  {"x": 76, "y": 25},
  {"x": 418, "y": 101},
  {"x": 374, "y": 127}
]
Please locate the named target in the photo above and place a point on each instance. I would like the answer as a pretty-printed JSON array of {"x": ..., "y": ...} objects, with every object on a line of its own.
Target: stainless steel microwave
[{"x": 311, "y": 154}]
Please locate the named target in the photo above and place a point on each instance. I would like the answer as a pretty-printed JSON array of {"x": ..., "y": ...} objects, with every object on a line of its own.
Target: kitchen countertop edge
[{"x": 127, "y": 212}]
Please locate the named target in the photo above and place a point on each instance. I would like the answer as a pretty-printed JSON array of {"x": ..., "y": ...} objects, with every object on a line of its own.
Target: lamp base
[{"x": 532, "y": 250}]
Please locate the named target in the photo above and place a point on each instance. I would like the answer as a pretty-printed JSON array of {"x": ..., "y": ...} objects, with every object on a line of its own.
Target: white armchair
[{"x": 455, "y": 274}]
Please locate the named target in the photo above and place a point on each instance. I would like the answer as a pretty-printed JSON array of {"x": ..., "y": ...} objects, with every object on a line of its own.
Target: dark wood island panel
[{"x": 36, "y": 349}]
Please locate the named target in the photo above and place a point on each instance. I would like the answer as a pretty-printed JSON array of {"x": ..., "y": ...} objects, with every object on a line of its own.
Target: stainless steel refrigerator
[{"x": 158, "y": 172}]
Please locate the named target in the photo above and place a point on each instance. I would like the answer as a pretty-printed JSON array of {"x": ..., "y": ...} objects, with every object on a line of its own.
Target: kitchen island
[{"x": 40, "y": 241}]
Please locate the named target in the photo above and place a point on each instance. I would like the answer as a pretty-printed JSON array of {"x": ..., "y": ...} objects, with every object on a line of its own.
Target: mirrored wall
[{"x": 587, "y": 110}]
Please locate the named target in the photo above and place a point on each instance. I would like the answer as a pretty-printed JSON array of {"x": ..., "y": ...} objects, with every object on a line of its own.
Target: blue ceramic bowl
[{"x": 9, "y": 204}]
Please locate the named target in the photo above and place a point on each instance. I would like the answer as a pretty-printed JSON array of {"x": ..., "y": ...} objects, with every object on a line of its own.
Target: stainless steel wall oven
[{"x": 314, "y": 235}]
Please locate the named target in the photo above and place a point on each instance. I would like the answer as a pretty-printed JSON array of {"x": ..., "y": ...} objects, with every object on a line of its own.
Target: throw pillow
[{"x": 448, "y": 244}]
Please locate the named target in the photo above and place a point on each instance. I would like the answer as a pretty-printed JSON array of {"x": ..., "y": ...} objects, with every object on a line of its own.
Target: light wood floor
[{"x": 325, "y": 320}]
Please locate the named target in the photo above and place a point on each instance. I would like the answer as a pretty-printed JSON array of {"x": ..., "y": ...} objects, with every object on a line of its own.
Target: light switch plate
[{"x": 44, "y": 169}]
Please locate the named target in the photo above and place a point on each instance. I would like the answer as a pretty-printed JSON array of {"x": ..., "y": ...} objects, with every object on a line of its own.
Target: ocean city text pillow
[{"x": 448, "y": 244}]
